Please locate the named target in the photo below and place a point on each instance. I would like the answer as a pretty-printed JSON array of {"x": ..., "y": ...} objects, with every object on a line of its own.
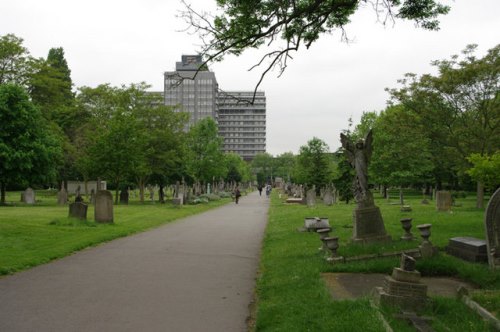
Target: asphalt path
[{"x": 196, "y": 274}]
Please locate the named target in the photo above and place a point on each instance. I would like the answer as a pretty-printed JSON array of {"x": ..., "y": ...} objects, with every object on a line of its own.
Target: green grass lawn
[
  {"x": 291, "y": 296},
  {"x": 33, "y": 235}
]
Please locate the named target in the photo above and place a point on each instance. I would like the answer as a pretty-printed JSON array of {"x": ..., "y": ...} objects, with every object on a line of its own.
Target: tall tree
[
  {"x": 460, "y": 106},
  {"x": 28, "y": 150},
  {"x": 314, "y": 164},
  {"x": 401, "y": 154},
  {"x": 285, "y": 26},
  {"x": 204, "y": 155},
  {"x": 262, "y": 166}
]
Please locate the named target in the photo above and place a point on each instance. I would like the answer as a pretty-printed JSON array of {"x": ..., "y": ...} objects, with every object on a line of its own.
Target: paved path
[{"x": 197, "y": 274}]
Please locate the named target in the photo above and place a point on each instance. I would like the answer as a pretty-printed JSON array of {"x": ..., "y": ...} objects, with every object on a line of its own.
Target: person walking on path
[
  {"x": 260, "y": 189},
  {"x": 268, "y": 190},
  {"x": 237, "y": 194}
]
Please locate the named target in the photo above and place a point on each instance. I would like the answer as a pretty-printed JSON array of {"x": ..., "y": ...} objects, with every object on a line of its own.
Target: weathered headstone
[
  {"x": 328, "y": 197},
  {"x": 103, "y": 212},
  {"x": 443, "y": 200},
  {"x": 62, "y": 196},
  {"x": 492, "y": 227},
  {"x": 312, "y": 224},
  {"x": 124, "y": 197},
  {"x": 311, "y": 197},
  {"x": 29, "y": 196},
  {"x": 78, "y": 210}
]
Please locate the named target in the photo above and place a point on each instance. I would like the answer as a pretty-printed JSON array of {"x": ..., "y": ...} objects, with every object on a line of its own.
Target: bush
[
  {"x": 210, "y": 197},
  {"x": 224, "y": 194}
]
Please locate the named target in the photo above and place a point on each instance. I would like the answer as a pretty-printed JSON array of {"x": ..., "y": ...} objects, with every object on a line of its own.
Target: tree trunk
[
  {"x": 480, "y": 195},
  {"x": 2, "y": 189}
]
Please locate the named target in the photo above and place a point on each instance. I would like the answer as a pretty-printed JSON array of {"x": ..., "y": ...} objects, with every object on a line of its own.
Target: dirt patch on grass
[{"x": 345, "y": 286}]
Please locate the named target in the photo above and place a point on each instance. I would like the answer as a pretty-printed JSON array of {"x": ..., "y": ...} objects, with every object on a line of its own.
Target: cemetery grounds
[{"x": 292, "y": 296}]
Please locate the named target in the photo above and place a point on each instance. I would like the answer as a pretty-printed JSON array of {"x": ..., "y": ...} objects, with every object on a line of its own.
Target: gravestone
[
  {"x": 311, "y": 197},
  {"x": 328, "y": 197},
  {"x": 492, "y": 227},
  {"x": 78, "y": 210},
  {"x": 62, "y": 196},
  {"x": 443, "y": 200},
  {"x": 124, "y": 197},
  {"x": 467, "y": 248},
  {"x": 92, "y": 196},
  {"x": 103, "y": 212},
  {"x": 29, "y": 196}
]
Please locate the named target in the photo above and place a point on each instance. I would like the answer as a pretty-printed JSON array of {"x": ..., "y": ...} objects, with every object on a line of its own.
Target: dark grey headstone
[
  {"x": 124, "y": 197},
  {"x": 78, "y": 210},
  {"x": 103, "y": 212},
  {"x": 492, "y": 227},
  {"x": 467, "y": 248}
]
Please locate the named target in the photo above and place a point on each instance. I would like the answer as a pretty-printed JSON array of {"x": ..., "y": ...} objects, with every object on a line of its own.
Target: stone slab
[{"x": 468, "y": 248}]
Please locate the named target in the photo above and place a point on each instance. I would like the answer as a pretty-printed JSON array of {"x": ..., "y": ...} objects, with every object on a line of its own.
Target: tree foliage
[
  {"x": 204, "y": 156},
  {"x": 285, "y": 26},
  {"x": 28, "y": 150},
  {"x": 459, "y": 107},
  {"x": 314, "y": 164},
  {"x": 14, "y": 60},
  {"x": 485, "y": 169}
]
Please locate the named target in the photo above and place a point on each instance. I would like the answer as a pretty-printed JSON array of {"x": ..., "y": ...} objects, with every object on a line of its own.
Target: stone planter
[{"x": 406, "y": 224}]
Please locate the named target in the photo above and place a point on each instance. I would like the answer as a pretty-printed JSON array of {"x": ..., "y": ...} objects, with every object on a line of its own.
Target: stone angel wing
[
  {"x": 368, "y": 144},
  {"x": 348, "y": 147}
]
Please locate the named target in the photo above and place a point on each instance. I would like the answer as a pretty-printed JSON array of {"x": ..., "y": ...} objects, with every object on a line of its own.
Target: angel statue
[{"x": 359, "y": 156}]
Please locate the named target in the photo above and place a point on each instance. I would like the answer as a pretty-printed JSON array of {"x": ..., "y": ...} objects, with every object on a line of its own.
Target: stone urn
[
  {"x": 323, "y": 233},
  {"x": 406, "y": 224},
  {"x": 332, "y": 243},
  {"x": 425, "y": 231}
]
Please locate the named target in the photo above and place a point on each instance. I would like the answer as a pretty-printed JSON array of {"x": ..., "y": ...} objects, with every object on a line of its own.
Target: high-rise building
[
  {"x": 192, "y": 89},
  {"x": 242, "y": 124}
]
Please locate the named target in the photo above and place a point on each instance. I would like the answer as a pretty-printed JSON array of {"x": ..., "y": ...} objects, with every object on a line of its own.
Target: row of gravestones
[{"x": 103, "y": 210}]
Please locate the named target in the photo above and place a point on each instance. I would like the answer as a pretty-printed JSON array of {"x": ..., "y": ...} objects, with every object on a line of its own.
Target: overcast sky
[{"x": 129, "y": 41}]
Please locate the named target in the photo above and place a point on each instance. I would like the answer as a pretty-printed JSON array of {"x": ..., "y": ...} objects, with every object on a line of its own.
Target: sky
[{"x": 130, "y": 41}]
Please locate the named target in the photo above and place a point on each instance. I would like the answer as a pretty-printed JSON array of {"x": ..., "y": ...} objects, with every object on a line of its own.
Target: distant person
[
  {"x": 268, "y": 190},
  {"x": 260, "y": 189},
  {"x": 237, "y": 194}
]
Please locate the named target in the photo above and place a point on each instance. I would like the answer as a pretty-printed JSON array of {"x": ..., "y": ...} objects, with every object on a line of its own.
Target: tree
[
  {"x": 460, "y": 107},
  {"x": 237, "y": 169},
  {"x": 204, "y": 155},
  {"x": 284, "y": 26},
  {"x": 284, "y": 165},
  {"x": 485, "y": 169},
  {"x": 401, "y": 154},
  {"x": 314, "y": 164},
  {"x": 262, "y": 166},
  {"x": 28, "y": 150},
  {"x": 14, "y": 60}
]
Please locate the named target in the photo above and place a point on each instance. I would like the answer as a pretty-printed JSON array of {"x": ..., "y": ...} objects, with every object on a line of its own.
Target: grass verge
[{"x": 34, "y": 235}]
